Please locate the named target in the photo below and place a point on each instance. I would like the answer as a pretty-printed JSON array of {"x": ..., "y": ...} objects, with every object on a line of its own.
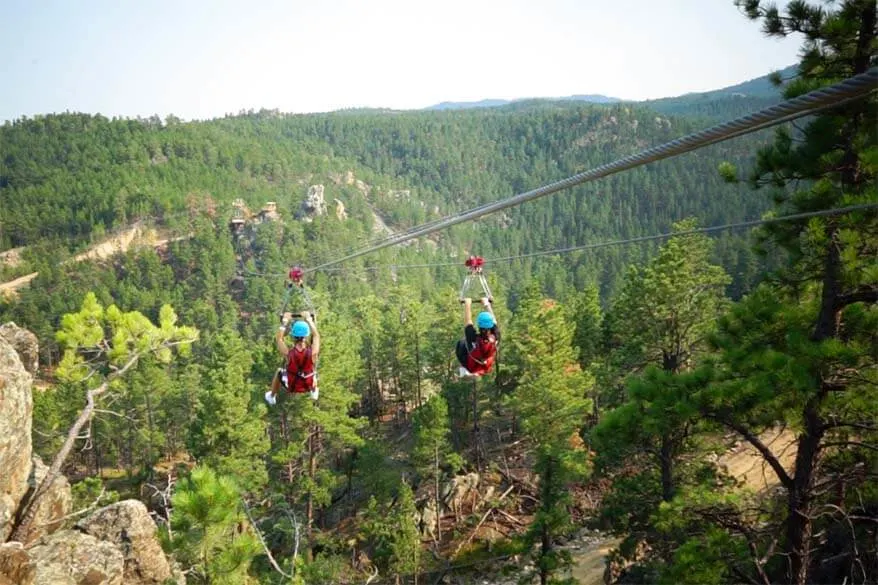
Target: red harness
[
  {"x": 480, "y": 359},
  {"x": 300, "y": 370}
]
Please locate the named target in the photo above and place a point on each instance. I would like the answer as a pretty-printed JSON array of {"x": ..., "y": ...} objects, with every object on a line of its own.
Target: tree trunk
[
  {"x": 477, "y": 439},
  {"x": 799, "y": 527},
  {"x": 312, "y": 471},
  {"x": 666, "y": 461},
  {"x": 436, "y": 493},
  {"x": 129, "y": 456},
  {"x": 545, "y": 537},
  {"x": 546, "y": 549},
  {"x": 151, "y": 457},
  {"x": 418, "y": 366},
  {"x": 799, "y": 497}
]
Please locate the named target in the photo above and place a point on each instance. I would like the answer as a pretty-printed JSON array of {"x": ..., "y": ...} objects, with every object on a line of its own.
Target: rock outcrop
[
  {"x": 70, "y": 557},
  {"x": 15, "y": 565},
  {"x": 116, "y": 544},
  {"x": 16, "y": 410},
  {"x": 53, "y": 507},
  {"x": 25, "y": 345},
  {"x": 314, "y": 203},
  {"x": 460, "y": 491},
  {"x": 340, "y": 211},
  {"x": 458, "y": 495},
  {"x": 129, "y": 527}
]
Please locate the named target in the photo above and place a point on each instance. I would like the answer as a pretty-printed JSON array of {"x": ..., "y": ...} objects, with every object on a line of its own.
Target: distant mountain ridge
[
  {"x": 495, "y": 103},
  {"x": 721, "y": 104},
  {"x": 759, "y": 87}
]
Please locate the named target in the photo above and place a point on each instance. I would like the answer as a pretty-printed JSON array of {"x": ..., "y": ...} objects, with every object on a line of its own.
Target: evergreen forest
[{"x": 632, "y": 380}]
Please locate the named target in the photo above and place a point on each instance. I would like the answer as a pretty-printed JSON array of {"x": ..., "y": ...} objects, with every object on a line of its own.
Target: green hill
[{"x": 79, "y": 176}]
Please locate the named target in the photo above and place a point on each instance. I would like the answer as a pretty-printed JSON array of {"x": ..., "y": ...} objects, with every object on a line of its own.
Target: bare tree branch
[
  {"x": 81, "y": 512},
  {"x": 271, "y": 560},
  {"x": 21, "y": 532}
]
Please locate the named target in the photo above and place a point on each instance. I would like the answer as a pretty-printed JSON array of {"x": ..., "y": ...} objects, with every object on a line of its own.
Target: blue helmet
[
  {"x": 485, "y": 320},
  {"x": 300, "y": 329}
]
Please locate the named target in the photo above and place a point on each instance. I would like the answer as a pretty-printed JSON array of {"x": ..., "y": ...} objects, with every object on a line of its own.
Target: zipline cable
[
  {"x": 852, "y": 88},
  {"x": 366, "y": 242},
  {"x": 634, "y": 240},
  {"x": 787, "y": 118}
]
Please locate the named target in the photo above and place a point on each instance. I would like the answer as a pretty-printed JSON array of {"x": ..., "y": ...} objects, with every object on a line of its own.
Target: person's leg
[
  {"x": 314, "y": 391},
  {"x": 271, "y": 395},
  {"x": 461, "y": 352}
]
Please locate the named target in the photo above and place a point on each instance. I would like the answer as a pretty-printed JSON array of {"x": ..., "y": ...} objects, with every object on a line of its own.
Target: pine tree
[
  {"x": 802, "y": 353},
  {"x": 406, "y": 543},
  {"x": 209, "y": 532},
  {"x": 662, "y": 318},
  {"x": 551, "y": 405},
  {"x": 314, "y": 435},
  {"x": 588, "y": 318},
  {"x": 432, "y": 449},
  {"x": 228, "y": 434},
  {"x": 101, "y": 346}
]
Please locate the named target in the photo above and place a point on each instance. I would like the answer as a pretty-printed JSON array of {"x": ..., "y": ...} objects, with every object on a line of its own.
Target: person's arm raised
[
  {"x": 279, "y": 337},
  {"x": 315, "y": 335}
]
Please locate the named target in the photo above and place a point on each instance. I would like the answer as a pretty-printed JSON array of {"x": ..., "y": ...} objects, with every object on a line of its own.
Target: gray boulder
[
  {"x": 69, "y": 557},
  {"x": 129, "y": 527}
]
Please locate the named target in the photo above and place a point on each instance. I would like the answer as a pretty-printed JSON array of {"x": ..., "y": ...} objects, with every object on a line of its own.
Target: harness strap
[
  {"x": 477, "y": 360},
  {"x": 301, "y": 364}
]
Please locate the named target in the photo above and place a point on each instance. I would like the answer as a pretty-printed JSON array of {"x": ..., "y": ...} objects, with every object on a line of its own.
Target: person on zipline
[
  {"x": 299, "y": 374},
  {"x": 477, "y": 351}
]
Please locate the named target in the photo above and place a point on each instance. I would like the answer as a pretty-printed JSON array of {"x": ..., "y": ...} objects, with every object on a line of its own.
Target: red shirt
[{"x": 300, "y": 370}]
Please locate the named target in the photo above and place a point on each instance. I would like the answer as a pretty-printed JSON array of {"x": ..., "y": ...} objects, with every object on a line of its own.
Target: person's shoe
[
  {"x": 315, "y": 393},
  {"x": 269, "y": 398}
]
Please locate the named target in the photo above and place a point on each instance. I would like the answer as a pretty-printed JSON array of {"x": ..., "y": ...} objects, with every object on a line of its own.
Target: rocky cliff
[{"x": 114, "y": 545}]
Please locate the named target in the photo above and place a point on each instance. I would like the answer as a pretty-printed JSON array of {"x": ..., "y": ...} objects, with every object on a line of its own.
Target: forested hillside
[
  {"x": 625, "y": 375},
  {"x": 82, "y": 176}
]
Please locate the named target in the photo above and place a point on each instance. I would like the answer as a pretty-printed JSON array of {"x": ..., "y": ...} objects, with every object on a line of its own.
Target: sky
[{"x": 200, "y": 59}]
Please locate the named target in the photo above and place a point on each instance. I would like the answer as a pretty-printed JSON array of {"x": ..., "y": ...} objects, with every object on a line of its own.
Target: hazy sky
[{"x": 205, "y": 58}]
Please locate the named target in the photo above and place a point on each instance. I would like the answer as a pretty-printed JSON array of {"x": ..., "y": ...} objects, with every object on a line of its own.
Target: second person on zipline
[
  {"x": 477, "y": 351},
  {"x": 299, "y": 374}
]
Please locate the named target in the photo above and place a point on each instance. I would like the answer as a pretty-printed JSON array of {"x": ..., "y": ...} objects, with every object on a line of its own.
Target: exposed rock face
[
  {"x": 15, "y": 565},
  {"x": 457, "y": 495},
  {"x": 16, "y": 409},
  {"x": 24, "y": 343},
  {"x": 340, "y": 211},
  {"x": 127, "y": 525},
  {"x": 428, "y": 519},
  {"x": 314, "y": 203},
  {"x": 460, "y": 490},
  {"x": 115, "y": 545},
  {"x": 69, "y": 557},
  {"x": 363, "y": 187},
  {"x": 54, "y": 506}
]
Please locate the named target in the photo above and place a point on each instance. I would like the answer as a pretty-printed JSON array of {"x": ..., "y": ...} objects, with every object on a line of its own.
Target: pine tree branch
[
  {"x": 766, "y": 453},
  {"x": 853, "y": 425},
  {"x": 861, "y": 295},
  {"x": 849, "y": 444}
]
